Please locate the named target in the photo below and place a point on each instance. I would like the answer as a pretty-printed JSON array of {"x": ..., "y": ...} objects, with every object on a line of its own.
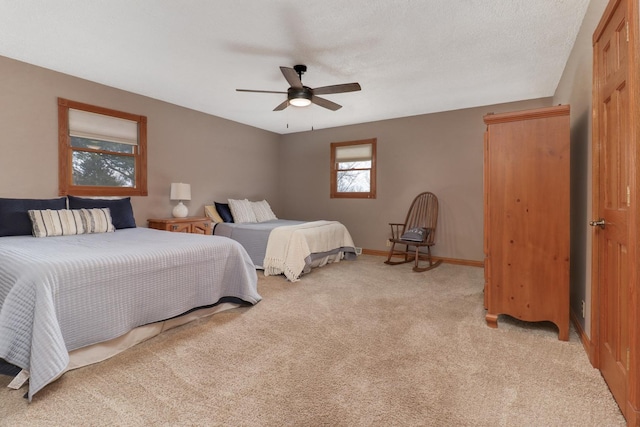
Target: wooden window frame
[
  {"x": 371, "y": 194},
  {"x": 65, "y": 153}
]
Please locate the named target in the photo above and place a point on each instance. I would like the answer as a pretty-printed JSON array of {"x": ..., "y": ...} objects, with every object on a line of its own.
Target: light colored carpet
[{"x": 352, "y": 344}]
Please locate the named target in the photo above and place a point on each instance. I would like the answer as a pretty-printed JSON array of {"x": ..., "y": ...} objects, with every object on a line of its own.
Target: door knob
[{"x": 599, "y": 223}]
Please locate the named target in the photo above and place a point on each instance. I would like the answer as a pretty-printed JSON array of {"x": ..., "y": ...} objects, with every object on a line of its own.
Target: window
[
  {"x": 101, "y": 152},
  {"x": 353, "y": 169}
]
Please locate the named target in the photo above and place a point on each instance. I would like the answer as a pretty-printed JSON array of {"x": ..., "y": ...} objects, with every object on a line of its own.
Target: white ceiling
[{"x": 410, "y": 56}]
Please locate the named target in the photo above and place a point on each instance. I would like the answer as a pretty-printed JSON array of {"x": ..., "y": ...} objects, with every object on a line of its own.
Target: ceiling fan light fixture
[
  {"x": 299, "y": 97},
  {"x": 300, "y": 102}
]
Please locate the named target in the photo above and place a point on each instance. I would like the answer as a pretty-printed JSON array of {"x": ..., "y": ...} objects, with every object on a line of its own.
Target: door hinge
[
  {"x": 628, "y": 353},
  {"x": 628, "y": 196},
  {"x": 627, "y": 31}
]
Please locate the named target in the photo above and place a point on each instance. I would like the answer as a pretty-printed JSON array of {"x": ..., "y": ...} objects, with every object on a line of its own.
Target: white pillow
[
  {"x": 242, "y": 211},
  {"x": 263, "y": 211}
]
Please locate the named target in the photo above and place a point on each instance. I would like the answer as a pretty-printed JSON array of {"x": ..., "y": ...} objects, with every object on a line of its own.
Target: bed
[
  {"x": 290, "y": 247},
  {"x": 64, "y": 294}
]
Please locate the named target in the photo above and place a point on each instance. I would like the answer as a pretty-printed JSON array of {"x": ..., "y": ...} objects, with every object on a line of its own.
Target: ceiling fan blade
[
  {"x": 325, "y": 103},
  {"x": 292, "y": 77},
  {"x": 259, "y": 91},
  {"x": 347, "y": 87},
  {"x": 282, "y": 106}
]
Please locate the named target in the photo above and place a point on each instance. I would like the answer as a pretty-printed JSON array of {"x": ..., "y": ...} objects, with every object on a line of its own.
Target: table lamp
[{"x": 180, "y": 192}]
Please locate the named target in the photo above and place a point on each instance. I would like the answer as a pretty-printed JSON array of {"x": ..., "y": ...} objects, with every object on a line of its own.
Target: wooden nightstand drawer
[{"x": 196, "y": 225}]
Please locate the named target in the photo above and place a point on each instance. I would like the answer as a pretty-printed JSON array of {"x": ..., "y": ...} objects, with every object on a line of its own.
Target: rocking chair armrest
[{"x": 395, "y": 229}]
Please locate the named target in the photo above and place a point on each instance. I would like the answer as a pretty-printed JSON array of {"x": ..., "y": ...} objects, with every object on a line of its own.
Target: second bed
[{"x": 291, "y": 247}]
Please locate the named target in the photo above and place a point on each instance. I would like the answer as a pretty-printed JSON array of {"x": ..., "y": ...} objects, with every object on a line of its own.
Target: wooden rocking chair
[{"x": 418, "y": 231}]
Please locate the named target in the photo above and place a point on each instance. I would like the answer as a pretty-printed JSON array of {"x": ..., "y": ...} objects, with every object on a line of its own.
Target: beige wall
[
  {"x": 219, "y": 158},
  {"x": 575, "y": 89},
  {"x": 441, "y": 153}
]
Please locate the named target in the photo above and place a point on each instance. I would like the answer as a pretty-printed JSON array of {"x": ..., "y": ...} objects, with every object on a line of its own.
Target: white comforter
[{"x": 289, "y": 246}]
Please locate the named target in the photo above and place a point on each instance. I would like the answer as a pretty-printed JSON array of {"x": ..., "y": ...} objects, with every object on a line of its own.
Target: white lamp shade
[{"x": 180, "y": 191}]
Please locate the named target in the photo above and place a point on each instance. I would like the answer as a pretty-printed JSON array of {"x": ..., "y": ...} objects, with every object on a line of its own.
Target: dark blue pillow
[
  {"x": 121, "y": 210},
  {"x": 224, "y": 211},
  {"x": 14, "y": 219}
]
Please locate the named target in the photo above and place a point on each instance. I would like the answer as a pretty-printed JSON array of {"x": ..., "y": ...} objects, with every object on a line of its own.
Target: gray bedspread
[
  {"x": 58, "y": 294},
  {"x": 252, "y": 236}
]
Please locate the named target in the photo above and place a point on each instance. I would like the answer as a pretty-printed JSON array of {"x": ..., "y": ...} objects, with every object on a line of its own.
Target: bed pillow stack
[
  {"x": 240, "y": 211},
  {"x": 15, "y": 219}
]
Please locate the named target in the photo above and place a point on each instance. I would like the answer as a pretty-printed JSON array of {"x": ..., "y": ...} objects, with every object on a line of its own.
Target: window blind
[
  {"x": 84, "y": 124},
  {"x": 354, "y": 153}
]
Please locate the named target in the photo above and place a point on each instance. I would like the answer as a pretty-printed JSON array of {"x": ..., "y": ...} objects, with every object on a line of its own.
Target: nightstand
[{"x": 196, "y": 225}]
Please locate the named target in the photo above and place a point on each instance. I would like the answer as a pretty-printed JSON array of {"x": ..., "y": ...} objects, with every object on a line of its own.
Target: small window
[
  {"x": 353, "y": 169},
  {"x": 101, "y": 152}
]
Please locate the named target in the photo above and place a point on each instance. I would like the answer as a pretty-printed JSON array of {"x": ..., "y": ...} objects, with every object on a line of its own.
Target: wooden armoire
[{"x": 526, "y": 216}]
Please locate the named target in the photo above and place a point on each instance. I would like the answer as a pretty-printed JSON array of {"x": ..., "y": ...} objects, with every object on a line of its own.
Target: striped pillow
[
  {"x": 62, "y": 222},
  {"x": 97, "y": 220},
  {"x": 263, "y": 211},
  {"x": 242, "y": 211},
  {"x": 65, "y": 222}
]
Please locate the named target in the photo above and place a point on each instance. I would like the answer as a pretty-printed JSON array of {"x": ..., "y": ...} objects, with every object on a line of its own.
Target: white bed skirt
[{"x": 102, "y": 351}]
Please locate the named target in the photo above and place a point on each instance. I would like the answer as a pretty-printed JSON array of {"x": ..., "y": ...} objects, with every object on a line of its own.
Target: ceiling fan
[{"x": 299, "y": 95}]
